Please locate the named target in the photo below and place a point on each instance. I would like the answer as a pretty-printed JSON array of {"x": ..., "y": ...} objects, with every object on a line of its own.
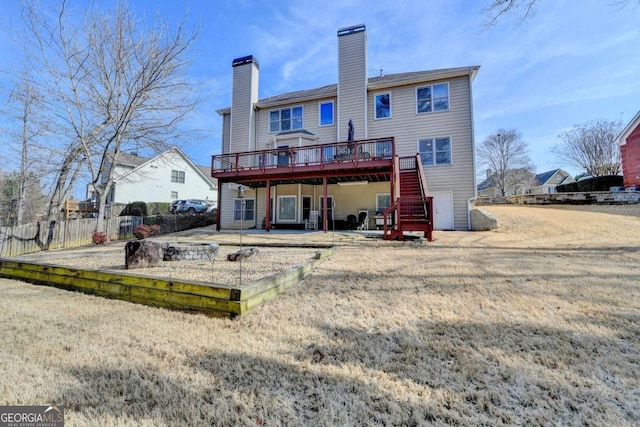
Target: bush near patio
[{"x": 175, "y": 223}]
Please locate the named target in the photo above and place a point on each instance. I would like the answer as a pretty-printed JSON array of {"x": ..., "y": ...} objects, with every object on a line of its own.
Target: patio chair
[
  {"x": 363, "y": 219},
  {"x": 312, "y": 222}
]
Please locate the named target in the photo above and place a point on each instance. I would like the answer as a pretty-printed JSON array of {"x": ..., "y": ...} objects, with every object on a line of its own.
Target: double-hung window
[
  {"x": 435, "y": 151},
  {"x": 432, "y": 98},
  {"x": 287, "y": 208},
  {"x": 177, "y": 176},
  {"x": 243, "y": 206},
  {"x": 383, "y": 201},
  {"x": 326, "y": 113},
  {"x": 382, "y": 105},
  {"x": 285, "y": 119}
]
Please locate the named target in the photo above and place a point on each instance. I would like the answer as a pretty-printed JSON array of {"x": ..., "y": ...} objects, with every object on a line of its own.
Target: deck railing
[{"x": 310, "y": 155}]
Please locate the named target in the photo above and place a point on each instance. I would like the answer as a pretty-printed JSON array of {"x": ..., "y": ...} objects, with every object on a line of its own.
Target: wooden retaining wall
[{"x": 211, "y": 299}]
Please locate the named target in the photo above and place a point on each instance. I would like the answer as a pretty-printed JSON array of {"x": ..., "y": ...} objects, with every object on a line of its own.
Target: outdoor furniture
[
  {"x": 312, "y": 222},
  {"x": 363, "y": 219}
]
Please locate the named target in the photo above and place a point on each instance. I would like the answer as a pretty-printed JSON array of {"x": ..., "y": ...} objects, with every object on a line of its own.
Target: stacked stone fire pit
[{"x": 148, "y": 253}]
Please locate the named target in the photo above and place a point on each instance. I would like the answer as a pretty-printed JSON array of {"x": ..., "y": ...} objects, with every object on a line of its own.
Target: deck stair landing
[{"x": 413, "y": 209}]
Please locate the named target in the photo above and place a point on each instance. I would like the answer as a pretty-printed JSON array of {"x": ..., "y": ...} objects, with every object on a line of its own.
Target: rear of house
[{"x": 423, "y": 114}]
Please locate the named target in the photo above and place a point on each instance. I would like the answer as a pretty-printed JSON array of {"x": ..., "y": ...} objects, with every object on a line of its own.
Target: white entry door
[{"x": 443, "y": 210}]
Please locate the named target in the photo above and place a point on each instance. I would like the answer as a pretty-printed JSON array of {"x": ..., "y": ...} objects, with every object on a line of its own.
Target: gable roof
[
  {"x": 490, "y": 182},
  {"x": 373, "y": 83},
  {"x": 138, "y": 162},
  {"x": 544, "y": 177},
  {"x": 633, "y": 124}
]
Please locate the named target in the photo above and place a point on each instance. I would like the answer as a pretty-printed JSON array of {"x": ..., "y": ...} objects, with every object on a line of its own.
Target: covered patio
[{"x": 369, "y": 160}]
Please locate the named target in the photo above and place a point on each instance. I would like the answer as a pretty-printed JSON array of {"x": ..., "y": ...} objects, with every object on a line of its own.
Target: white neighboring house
[
  {"x": 548, "y": 181},
  {"x": 164, "y": 178}
]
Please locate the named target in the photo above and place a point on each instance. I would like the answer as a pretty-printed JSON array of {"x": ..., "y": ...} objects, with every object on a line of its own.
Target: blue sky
[{"x": 565, "y": 66}]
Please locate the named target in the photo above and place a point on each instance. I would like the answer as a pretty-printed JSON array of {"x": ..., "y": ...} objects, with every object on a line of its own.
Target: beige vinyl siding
[
  {"x": 245, "y": 94},
  {"x": 226, "y": 133},
  {"x": 352, "y": 85},
  {"x": 310, "y": 122},
  {"x": 348, "y": 200},
  {"x": 229, "y": 194},
  {"x": 407, "y": 127}
]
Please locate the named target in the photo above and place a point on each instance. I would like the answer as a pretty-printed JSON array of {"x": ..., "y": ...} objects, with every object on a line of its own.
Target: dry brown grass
[{"x": 535, "y": 323}]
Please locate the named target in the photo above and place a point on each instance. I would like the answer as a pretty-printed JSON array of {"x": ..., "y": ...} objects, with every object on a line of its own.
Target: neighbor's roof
[
  {"x": 374, "y": 83},
  {"x": 131, "y": 159},
  {"x": 633, "y": 124},
  {"x": 134, "y": 161},
  {"x": 543, "y": 177},
  {"x": 488, "y": 183}
]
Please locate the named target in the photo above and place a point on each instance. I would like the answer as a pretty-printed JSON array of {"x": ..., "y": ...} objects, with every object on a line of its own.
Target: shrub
[
  {"x": 143, "y": 231},
  {"x": 135, "y": 209},
  {"x": 98, "y": 237},
  {"x": 598, "y": 183}
]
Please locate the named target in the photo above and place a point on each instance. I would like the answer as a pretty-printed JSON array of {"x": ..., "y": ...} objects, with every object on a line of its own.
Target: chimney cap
[
  {"x": 245, "y": 60},
  {"x": 351, "y": 30}
]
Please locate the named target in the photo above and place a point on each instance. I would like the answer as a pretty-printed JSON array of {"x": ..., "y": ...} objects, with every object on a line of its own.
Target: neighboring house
[
  {"x": 357, "y": 144},
  {"x": 518, "y": 181},
  {"x": 548, "y": 181},
  {"x": 164, "y": 178},
  {"x": 629, "y": 141}
]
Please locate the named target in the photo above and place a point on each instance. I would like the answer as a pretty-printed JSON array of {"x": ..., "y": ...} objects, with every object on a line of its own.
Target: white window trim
[
  {"x": 434, "y": 139},
  {"x": 432, "y": 98},
  {"x": 295, "y": 209},
  {"x": 244, "y": 217},
  {"x": 333, "y": 113},
  {"x": 279, "y": 121},
  {"x": 178, "y": 172},
  {"x": 382, "y": 194},
  {"x": 390, "y": 105}
]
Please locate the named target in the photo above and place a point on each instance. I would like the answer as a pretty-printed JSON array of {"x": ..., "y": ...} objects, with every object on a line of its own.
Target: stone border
[{"x": 211, "y": 299}]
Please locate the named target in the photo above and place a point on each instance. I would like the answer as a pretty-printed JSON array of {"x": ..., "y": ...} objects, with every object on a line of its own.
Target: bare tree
[
  {"x": 591, "y": 146},
  {"x": 27, "y": 143},
  {"x": 498, "y": 8},
  {"x": 111, "y": 86},
  {"x": 505, "y": 154},
  {"x": 524, "y": 9}
]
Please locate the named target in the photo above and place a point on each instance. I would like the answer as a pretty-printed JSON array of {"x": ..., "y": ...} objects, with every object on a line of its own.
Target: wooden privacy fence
[{"x": 46, "y": 235}]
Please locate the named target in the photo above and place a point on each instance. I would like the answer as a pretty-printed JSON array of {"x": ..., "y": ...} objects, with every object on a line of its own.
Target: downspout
[{"x": 473, "y": 152}]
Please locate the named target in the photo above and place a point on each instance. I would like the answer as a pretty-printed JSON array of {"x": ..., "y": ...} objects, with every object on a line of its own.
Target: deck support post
[
  {"x": 325, "y": 209},
  {"x": 219, "y": 207},
  {"x": 268, "y": 207}
]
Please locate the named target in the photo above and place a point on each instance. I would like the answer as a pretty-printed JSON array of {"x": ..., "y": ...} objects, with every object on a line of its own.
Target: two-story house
[
  {"x": 398, "y": 146},
  {"x": 166, "y": 177}
]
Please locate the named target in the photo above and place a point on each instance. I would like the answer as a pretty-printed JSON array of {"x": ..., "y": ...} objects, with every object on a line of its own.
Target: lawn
[{"x": 535, "y": 323}]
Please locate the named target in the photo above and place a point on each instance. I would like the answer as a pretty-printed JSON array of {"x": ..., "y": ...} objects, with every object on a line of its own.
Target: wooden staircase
[{"x": 413, "y": 209}]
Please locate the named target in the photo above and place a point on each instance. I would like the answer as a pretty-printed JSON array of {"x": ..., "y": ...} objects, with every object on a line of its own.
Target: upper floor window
[
  {"x": 177, "y": 176},
  {"x": 432, "y": 98},
  {"x": 383, "y": 105},
  {"x": 326, "y": 113},
  {"x": 285, "y": 119},
  {"x": 435, "y": 151}
]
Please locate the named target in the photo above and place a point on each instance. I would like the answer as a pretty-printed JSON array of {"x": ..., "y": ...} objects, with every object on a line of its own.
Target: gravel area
[{"x": 267, "y": 261}]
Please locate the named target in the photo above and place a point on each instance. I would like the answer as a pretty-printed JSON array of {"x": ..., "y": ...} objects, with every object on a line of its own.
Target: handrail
[
  {"x": 306, "y": 155},
  {"x": 424, "y": 189}
]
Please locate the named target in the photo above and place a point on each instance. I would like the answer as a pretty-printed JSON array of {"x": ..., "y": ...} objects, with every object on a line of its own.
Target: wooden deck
[{"x": 339, "y": 162}]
